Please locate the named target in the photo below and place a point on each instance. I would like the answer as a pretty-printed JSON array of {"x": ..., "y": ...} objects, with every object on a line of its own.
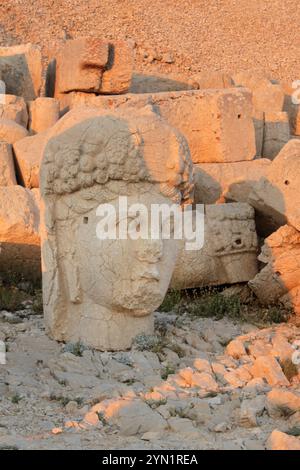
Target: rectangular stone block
[
  {"x": 292, "y": 106},
  {"x": 144, "y": 83},
  {"x": 28, "y": 155},
  {"x": 275, "y": 196},
  {"x": 267, "y": 96},
  {"x": 212, "y": 79},
  {"x": 7, "y": 169},
  {"x": 279, "y": 280},
  {"x": 276, "y": 133},
  {"x": 43, "y": 114},
  {"x": 259, "y": 122},
  {"x": 21, "y": 70},
  {"x": 214, "y": 180},
  {"x": 229, "y": 252},
  {"x": 217, "y": 124},
  {"x": 19, "y": 233},
  {"x": 80, "y": 64},
  {"x": 92, "y": 65},
  {"x": 117, "y": 75}
]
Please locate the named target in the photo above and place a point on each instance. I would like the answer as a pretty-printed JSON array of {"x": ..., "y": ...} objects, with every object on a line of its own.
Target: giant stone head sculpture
[{"x": 103, "y": 291}]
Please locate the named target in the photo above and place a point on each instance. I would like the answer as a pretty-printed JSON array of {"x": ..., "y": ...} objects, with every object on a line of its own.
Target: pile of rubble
[
  {"x": 202, "y": 384},
  {"x": 180, "y": 389},
  {"x": 243, "y": 134}
]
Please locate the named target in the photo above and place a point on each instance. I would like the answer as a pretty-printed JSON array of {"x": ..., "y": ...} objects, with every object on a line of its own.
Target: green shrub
[
  {"x": 214, "y": 304},
  {"x": 170, "y": 301},
  {"x": 11, "y": 298}
]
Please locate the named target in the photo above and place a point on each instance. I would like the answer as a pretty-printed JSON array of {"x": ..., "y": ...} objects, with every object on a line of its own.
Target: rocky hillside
[{"x": 171, "y": 36}]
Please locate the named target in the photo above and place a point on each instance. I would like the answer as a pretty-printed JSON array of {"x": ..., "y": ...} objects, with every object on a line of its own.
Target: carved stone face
[
  {"x": 125, "y": 275},
  {"x": 103, "y": 291}
]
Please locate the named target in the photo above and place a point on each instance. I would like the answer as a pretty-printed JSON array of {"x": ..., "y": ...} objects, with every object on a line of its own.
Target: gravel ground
[
  {"x": 171, "y": 36},
  {"x": 180, "y": 389}
]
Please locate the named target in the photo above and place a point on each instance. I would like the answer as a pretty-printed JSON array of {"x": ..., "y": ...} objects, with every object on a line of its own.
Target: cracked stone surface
[{"x": 194, "y": 391}]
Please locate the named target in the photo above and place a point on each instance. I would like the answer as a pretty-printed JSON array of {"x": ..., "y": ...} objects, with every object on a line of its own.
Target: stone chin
[{"x": 141, "y": 298}]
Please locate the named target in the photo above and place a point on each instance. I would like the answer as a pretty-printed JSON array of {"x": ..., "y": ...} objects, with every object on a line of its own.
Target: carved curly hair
[{"x": 142, "y": 148}]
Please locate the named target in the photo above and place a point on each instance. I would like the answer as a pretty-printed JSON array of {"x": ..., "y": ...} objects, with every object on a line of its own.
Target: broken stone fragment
[
  {"x": 214, "y": 180},
  {"x": 267, "y": 367},
  {"x": 228, "y": 254},
  {"x": 21, "y": 70},
  {"x": 217, "y": 124},
  {"x": 117, "y": 76},
  {"x": 28, "y": 155},
  {"x": 211, "y": 79},
  {"x": 279, "y": 440},
  {"x": 14, "y": 108},
  {"x": 259, "y": 124},
  {"x": 275, "y": 196},
  {"x": 292, "y": 107},
  {"x": 43, "y": 114},
  {"x": 19, "y": 232},
  {"x": 279, "y": 279},
  {"x": 267, "y": 96},
  {"x": 11, "y": 132},
  {"x": 236, "y": 349},
  {"x": 131, "y": 416},
  {"x": 80, "y": 64},
  {"x": 92, "y": 65},
  {"x": 276, "y": 133},
  {"x": 282, "y": 403},
  {"x": 7, "y": 168},
  {"x": 250, "y": 411}
]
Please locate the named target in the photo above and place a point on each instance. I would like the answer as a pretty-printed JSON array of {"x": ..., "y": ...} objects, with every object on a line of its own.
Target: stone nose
[{"x": 150, "y": 250}]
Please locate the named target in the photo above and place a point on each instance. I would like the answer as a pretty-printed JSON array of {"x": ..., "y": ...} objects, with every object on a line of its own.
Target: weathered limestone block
[
  {"x": 282, "y": 402},
  {"x": 229, "y": 252},
  {"x": 19, "y": 232},
  {"x": 94, "y": 65},
  {"x": 292, "y": 95},
  {"x": 80, "y": 65},
  {"x": 267, "y": 96},
  {"x": 142, "y": 83},
  {"x": 276, "y": 133},
  {"x": 117, "y": 75},
  {"x": 279, "y": 440},
  {"x": 7, "y": 169},
  {"x": 37, "y": 196},
  {"x": 43, "y": 113},
  {"x": 213, "y": 180},
  {"x": 92, "y": 158},
  {"x": 21, "y": 70},
  {"x": 217, "y": 124},
  {"x": 28, "y": 156},
  {"x": 267, "y": 367},
  {"x": 259, "y": 124},
  {"x": 14, "y": 108},
  {"x": 131, "y": 416},
  {"x": 296, "y": 122},
  {"x": 11, "y": 132},
  {"x": 275, "y": 196},
  {"x": 212, "y": 79},
  {"x": 279, "y": 280}
]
